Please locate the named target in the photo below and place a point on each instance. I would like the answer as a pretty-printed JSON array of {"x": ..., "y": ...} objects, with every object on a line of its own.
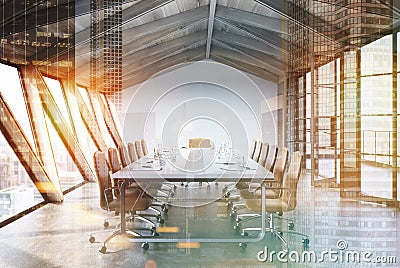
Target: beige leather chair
[
  {"x": 139, "y": 150},
  {"x": 199, "y": 143},
  {"x": 271, "y": 158},
  {"x": 257, "y": 151},
  {"x": 285, "y": 203},
  {"x": 132, "y": 152},
  {"x": 123, "y": 153},
  {"x": 136, "y": 201},
  {"x": 144, "y": 147},
  {"x": 113, "y": 159},
  {"x": 263, "y": 154},
  {"x": 252, "y": 148}
]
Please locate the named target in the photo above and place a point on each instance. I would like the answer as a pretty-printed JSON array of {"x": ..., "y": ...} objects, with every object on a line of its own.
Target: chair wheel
[
  {"x": 227, "y": 194},
  {"x": 92, "y": 239},
  {"x": 106, "y": 224},
  {"x": 238, "y": 220},
  {"x": 145, "y": 246},
  {"x": 305, "y": 241},
  {"x": 280, "y": 233},
  {"x": 161, "y": 221},
  {"x": 237, "y": 228},
  {"x": 232, "y": 215},
  {"x": 243, "y": 245},
  {"x": 156, "y": 234},
  {"x": 103, "y": 249},
  {"x": 182, "y": 184},
  {"x": 291, "y": 225},
  {"x": 216, "y": 183},
  {"x": 245, "y": 234}
]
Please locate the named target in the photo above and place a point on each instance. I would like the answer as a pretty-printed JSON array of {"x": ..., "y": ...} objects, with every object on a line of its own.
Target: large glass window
[
  {"x": 67, "y": 171},
  {"x": 17, "y": 191},
  {"x": 376, "y": 118},
  {"x": 102, "y": 124}
]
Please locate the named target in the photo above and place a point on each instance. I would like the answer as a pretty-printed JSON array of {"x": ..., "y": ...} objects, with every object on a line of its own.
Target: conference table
[{"x": 193, "y": 166}]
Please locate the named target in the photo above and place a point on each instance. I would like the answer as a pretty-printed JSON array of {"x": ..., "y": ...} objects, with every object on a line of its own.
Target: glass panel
[
  {"x": 102, "y": 124},
  {"x": 58, "y": 95},
  {"x": 376, "y": 57},
  {"x": 87, "y": 145},
  {"x": 114, "y": 113},
  {"x": 86, "y": 99},
  {"x": 67, "y": 171},
  {"x": 376, "y": 119},
  {"x": 10, "y": 88},
  {"x": 17, "y": 191}
]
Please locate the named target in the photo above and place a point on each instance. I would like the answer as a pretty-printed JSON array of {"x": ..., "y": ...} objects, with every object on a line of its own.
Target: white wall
[{"x": 201, "y": 99}]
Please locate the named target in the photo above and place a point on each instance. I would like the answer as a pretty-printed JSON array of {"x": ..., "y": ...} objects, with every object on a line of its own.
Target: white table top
[{"x": 195, "y": 165}]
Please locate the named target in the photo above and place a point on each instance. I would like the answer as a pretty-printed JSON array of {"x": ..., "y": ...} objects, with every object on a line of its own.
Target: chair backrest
[
  {"x": 139, "y": 150},
  {"x": 257, "y": 151},
  {"x": 123, "y": 154},
  {"x": 114, "y": 160},
  {"x": 132, "y": 152},
  {"x": 280, "y": 164},
  {"x": 291, "y": 179},
  {"x": 199, "y": 143},
  {"x": 144, "y": 147},
  {"x": 263, "y": 154},
  {"x": 271, "y": 158},
  {"x": 103, "y": 178},
  {"x": 252, "y": 148}
]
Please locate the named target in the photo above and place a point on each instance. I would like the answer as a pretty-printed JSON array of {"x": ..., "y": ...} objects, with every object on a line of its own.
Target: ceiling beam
[
  {"x": 245, "y": 42},
  {"x": 264, "y": 36},
  {"x": 252, "y": 19},
  {"x": 211, "y": 16},
  {"x": 229, "y": 54},
  {"x": 133, "y": 12},
  {"x": 223, "y": 49},
  {"x": 166, "y": 23},
  {"x": 155, "y": 53},
  {"x": 246, "y": 68},
  {"x": 164, "y": 65},
  {"x": 83, "y": 37}
]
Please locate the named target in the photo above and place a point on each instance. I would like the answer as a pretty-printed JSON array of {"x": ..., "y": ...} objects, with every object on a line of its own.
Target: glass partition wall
[
  {"x": 67, "y": 113},
  {"x": 354, "y": 117}
]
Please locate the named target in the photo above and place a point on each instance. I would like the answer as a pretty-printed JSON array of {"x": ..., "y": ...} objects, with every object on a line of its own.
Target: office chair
[
  {"x": 136, "y": 201},
  {"x": 123, "y": 153},
  {"x": 246, "y": 189},
  {"x": 132, "y": 152},
  {"x": 263, "y": 153},
  {"x": 252, "y": 148},
  {"x": 286, "y": 202},
  {"x": 113, "y": 159},
  {"x": 279, "y": 170},
  {"x": 144, "y": 147},
  {"x": 271, "y": 158},
  {"x": 139, "y": 151}
]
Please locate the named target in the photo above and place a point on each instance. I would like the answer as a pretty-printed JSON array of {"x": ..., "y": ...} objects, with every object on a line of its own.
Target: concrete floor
[{"x": 57, "y": 235}]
